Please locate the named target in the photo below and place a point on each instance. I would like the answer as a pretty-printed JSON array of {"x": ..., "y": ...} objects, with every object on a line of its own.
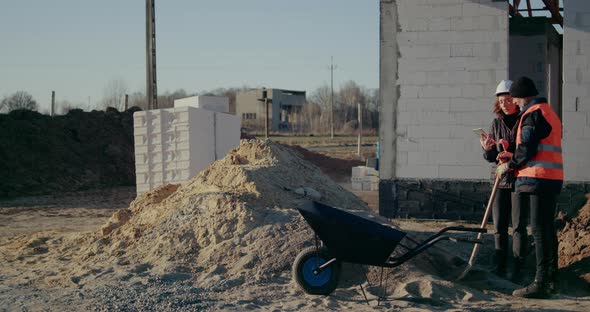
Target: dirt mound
[
  {"x": 234, "y": 222},
  {"x": 40, "y": 154},
  {"x": 233, "y": 226},
  {"x": 338, "y": 169},
  {"x": 574, "y": 239}
]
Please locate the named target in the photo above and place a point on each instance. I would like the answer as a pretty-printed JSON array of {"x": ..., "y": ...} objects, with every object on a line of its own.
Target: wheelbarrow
[{"x": 354, "y": 237}]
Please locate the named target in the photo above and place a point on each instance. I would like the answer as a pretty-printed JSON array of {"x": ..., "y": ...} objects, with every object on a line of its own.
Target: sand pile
[
  {"x": 234, "y": 222},
  {"x": 574, "y": 238},
  {"x": 233, "y": 225}
]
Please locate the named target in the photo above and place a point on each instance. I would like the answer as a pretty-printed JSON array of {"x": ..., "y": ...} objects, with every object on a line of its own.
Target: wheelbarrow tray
[{"x": 352, "y": 236}]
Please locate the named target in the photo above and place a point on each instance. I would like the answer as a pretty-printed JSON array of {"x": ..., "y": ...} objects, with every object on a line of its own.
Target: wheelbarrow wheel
[{"x": 305, "y": 274}]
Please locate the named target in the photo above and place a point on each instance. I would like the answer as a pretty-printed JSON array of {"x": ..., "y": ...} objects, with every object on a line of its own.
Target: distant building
[{"x": 283, "y": 104}]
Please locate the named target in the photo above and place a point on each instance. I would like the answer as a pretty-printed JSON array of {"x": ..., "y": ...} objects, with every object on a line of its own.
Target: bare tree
[
  {"x": 114, "y": 93},
  {"x": 64, "y": 106},
  {"x": 18, "y": 100}
]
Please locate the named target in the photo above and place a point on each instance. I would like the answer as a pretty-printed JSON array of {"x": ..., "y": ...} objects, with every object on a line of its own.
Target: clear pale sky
[{"x": 76, "y": 47}]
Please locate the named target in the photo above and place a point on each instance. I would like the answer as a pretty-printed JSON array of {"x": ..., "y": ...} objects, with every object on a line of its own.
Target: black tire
[{"x": 316, "y": 284}]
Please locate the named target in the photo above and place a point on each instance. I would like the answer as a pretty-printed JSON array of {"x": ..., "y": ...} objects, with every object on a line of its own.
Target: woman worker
[{"x": 502, "y": 136}]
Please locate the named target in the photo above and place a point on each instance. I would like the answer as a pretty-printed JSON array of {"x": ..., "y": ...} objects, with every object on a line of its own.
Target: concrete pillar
[{"x": 576, "y": 90}]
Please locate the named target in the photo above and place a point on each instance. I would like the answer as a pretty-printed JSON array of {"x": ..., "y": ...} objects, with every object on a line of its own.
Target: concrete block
[
  {"x": 470, "y": 8},
  {"x": 428, "y": 132},
  {"x": 439, "y": 91},
  {"x": 358, "y": 171},
  {"x": 472, "y": 91},
  {"x": 413, "y": 24},
  {"x": 439, "y": 104},
  {"x": 402, "y": 157},
  {"x": 212, "y": 103},
  {"x": 489, "y": 22},
  {"x": 462, "y": 23},
  {"x": 463, "y": 119},
  {"x": 462, "y": 50},
  {"x": 463, "y": 172},
  {"x": 409, "y": 91},
  {"x": 413, "y": 78},
  {"x": 420, "y": 159},
  {"x": 427, "y": 172},
  {"x": 227, "y": 133},
  {"x": 439, "y": 24}
]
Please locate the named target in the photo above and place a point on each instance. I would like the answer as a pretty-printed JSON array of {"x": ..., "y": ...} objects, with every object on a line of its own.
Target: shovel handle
[{"x": 485, "y": 218}]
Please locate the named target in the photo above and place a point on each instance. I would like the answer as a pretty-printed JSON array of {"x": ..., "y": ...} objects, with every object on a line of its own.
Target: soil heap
[
  {"x": 574, "y": 243},
  {"x": 234, "y": 222},
  {"x": 233, "y": 226},
  {"x": 41, "y": 154}
]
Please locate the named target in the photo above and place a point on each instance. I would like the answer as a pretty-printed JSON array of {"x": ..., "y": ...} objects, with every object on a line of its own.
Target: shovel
[{"x": 483, "y": 224}]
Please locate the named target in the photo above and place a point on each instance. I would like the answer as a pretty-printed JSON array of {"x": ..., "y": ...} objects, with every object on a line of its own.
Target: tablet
[{"x": 480, "y": 132}]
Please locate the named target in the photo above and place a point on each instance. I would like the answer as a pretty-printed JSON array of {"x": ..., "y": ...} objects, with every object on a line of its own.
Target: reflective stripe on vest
[{"x": 548, "y": 161}]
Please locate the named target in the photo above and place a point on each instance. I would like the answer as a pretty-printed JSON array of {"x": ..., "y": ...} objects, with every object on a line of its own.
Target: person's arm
[
  {"x": 534, "y": 128},
  {"x": 491, "y": 154}
]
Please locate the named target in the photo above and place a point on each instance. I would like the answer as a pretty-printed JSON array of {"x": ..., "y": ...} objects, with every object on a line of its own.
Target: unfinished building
[
  {"x": 282, "y": 105},
  {"x": 440, "y": 61}
]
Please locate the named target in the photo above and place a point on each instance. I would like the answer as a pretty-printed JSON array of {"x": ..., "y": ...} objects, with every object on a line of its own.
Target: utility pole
[
  {"x": 332, "y": 67},
  {"x": 126, "y": 102},
  {"x": 150, "y": 32},
  {"x": 360, "y": 121},
  {"x": 52, "y": 103}
]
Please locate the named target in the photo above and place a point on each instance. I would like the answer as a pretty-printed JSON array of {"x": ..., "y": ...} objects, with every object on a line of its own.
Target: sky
[{"x": 77, "y": 47}]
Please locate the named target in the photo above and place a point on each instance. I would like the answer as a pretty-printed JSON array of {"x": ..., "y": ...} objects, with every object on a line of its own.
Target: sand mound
[
  {"x": 233, "y": 225},
  {"x": 574, "y": 238},
  {"x": 235, "y": 222}
]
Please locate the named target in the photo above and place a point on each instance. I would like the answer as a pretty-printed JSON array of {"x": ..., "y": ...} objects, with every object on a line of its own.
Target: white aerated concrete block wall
[
  {"x": 173, "y": 145},
  {"x": 212, "y": 103},
  {"x": 452, "y": 54},
  {"x": 576, "y": 90}
]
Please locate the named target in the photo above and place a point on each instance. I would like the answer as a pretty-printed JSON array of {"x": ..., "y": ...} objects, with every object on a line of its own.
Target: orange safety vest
[{"x": 548, "y": 161}]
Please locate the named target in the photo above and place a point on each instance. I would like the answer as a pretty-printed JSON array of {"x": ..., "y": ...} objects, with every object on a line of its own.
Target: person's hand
[
  {"x": 486, "y": 142},
  {"x": 504, "y": 157},
  {"x": 502, "y": 169}
]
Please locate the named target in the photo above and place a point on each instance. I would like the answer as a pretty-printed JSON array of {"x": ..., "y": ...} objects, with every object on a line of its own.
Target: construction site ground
[{"x": 97, "y": 271}]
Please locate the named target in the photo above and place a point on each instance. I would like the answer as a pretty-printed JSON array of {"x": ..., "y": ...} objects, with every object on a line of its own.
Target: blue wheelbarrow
[{"x": 354, "y": 237}]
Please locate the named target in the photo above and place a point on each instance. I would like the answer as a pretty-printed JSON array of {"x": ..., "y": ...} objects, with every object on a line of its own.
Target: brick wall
[
  {"x": 576, "y": 90},
  {"x": 455, "y": 200},
  {"x": 452, "y": 53}
]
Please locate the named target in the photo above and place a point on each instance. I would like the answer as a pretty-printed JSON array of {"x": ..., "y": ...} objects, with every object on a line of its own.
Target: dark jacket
[
  {"x": 537, "y": 129},
  {"x": 500, "y": 130}
]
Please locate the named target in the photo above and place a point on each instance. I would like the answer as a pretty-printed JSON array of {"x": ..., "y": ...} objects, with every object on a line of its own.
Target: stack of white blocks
[
  {"x": 364, "y": 179},
  {"x": 173, "y": 145},
  {"x": 213, "y": 103}
]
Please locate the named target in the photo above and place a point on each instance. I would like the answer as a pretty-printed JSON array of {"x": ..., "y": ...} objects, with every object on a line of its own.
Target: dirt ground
[
  {"x": 226, "y": 240},
  {"x": 87, "y": 211}
]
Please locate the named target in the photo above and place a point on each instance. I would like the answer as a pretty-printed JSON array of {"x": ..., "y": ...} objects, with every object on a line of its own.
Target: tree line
[{"x": 312, "y": 118}]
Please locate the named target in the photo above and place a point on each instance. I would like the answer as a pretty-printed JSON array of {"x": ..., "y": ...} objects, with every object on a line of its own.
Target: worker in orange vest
[{"x": 538, "y": 165}]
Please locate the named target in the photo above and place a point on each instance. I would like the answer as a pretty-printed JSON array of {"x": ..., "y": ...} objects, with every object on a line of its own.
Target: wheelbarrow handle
[{"x": 466, "y": 229}]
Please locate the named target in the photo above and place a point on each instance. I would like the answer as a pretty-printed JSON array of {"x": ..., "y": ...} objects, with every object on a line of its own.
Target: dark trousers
[
  {"x": 520, "y": 213},
  {"x": 507, "y": 206},
  {"x": 542, "y": 212},
  {"x": 501, "y": 208}
]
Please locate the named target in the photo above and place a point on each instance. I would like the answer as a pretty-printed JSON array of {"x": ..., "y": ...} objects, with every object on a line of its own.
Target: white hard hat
[{"x": 503, "y": 87}]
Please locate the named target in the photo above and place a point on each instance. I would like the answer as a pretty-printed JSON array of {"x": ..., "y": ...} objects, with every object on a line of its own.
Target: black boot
[
  {"x": 517, "y": 276},
  {"x": 552, "y": 283},
  {"x": 536, "y": 289},
  {"x": 501, "y": 259}
]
